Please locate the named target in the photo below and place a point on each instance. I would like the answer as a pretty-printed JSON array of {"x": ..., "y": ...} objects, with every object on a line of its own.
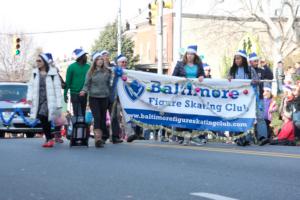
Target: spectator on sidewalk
[
  {"x": 75, "y": 79},
  {"x": 268, "y": 72},
  {"x": 295, "y": 106},
  {"x": 297, "y": 67},
  {"x": 290, "y": 76},
  {"x": 270, "y": 108},
  {"x": 279, "y": 76},
  {"x": 286, "y": 135},
  {"x": 287, "y": 98}
]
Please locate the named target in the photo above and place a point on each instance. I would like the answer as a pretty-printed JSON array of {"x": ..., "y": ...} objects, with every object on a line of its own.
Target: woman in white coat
[{"x": 44, "y": 94}]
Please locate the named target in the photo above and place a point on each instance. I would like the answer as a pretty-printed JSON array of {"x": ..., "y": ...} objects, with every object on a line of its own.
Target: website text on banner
[{"x": 215, "y": 105}]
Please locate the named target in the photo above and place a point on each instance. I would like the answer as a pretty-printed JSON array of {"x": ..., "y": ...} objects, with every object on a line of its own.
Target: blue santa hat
[
  {"x": 78, "y": 53},
  {"x": 242, "y": 53},
  {"x": 192, "y": 49},
  {"x": 121, "y": 58},
  {"x": 47, "y": 57},
  {"x": 104, "y": 52},
  {"x": 267, "y": 88},
  {"x": 253, "y": 56},
  {"x": 287, "y": 88},
  {"x": 96, "y": 55},
  {"x": 206, "y": 66}
]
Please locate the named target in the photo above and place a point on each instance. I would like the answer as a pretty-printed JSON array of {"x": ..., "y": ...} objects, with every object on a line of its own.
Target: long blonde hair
[{"x": 94, "y": 67}]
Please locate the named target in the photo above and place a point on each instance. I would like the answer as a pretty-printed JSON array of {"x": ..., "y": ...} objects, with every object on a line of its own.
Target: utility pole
[
  {"x": 177, "y": 30},
  {"x": 119, "y": 30},
  {"x": 160, "y": 37}
]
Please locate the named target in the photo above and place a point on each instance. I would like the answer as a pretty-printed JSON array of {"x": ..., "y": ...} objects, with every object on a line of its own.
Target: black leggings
[
  {"x": 46, "y": 125},
  {"x": 99, "y": 107}
]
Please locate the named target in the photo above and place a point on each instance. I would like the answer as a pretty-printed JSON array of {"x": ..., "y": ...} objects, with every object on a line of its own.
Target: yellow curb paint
[{"x": 223, "y": 150}]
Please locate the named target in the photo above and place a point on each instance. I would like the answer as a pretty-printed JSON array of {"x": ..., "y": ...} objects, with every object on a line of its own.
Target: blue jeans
[{"x": 261, "y": 126}]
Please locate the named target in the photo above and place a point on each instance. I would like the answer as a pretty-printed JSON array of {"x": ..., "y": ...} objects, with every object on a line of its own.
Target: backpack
[{"x": 63, "y": 83}]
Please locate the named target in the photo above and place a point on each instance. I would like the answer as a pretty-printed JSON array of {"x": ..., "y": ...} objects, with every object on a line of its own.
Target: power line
[
  {"x": 139, "y": 14},
  {"x": 56, "y": 31}
]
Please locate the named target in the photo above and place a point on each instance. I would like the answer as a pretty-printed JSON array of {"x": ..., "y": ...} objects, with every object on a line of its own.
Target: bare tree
[
  {"x": 280, "y": 22},
  {"x": 282, "y": 30},
  {"x": 14, "y": 67}
]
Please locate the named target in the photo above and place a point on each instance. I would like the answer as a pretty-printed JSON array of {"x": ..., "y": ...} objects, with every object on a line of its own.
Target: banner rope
[
  {"x": 21, "y": 114},
  {"x": 191, "y": 134}
]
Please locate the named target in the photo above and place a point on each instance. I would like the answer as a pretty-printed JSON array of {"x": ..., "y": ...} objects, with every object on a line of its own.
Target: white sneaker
[{"x": 186, "y": 141}]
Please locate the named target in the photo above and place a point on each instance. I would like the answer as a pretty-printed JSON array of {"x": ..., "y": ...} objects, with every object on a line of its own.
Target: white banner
[{"x": 214, "y": 104}]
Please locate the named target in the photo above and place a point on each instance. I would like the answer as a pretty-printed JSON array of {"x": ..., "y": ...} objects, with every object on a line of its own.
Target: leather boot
[{"x": 98, "y": 138}]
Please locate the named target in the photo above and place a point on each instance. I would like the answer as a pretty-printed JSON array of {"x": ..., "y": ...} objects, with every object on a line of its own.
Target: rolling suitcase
[{"x": 80, "y": 132}]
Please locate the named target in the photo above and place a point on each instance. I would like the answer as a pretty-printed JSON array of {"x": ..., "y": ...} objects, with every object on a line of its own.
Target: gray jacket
[{"x": 98, "y": 85}]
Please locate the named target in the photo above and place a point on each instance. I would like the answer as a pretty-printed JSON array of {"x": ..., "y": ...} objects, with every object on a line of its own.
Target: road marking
[
  {"x": 224, "y": 150},
  {"x": 211, "y": 196}
]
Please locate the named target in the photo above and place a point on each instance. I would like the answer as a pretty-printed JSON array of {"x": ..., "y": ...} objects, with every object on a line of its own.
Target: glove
[{"x": 66, "y": 99}]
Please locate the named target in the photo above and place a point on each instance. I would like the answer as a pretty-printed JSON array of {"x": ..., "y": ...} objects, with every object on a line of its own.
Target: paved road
[{"x": 146, "y": 171}]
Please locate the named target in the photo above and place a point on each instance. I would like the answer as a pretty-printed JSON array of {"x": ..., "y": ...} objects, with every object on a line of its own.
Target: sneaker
[
  {"x": 132, "y": 138},
  {"x": 48, "y": 144},
  {"x": 164, "y": 139},
  {"x": 59, "y": 140},
  {"x": 117, "y": 141},
  {"x": 197, "y": 141},
  {"x": 141, "y": 138},
  {"x": 45, "y": 145},
  {"x": 204, "y": 141},
  {"x": 180, "y": 141},
  {"x": 99, "y": 144},
  {"x": 263, "y": 142},
  {"x": 186, "y": 141}
]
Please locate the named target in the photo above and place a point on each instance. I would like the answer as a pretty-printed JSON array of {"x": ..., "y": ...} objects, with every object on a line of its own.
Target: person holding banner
[
  {"x": 260, "y": 127},
  {"x": 241, "y": 70},
  {"x": 116, "y": 110},
  {"x": 97, "y": 85},
  {"x": 207, "y": 70},
  {"x": 190, "y": 67}
]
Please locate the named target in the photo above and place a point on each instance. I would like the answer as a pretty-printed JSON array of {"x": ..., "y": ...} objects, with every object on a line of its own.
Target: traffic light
[
  {"x": 18, "y": 46},
  {"x": 152, "y": 13},
  {"x": 168, "y": 4}
]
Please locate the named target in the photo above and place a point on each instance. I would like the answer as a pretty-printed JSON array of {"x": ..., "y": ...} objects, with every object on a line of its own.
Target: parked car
[{"x": 12, "y": 96}]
